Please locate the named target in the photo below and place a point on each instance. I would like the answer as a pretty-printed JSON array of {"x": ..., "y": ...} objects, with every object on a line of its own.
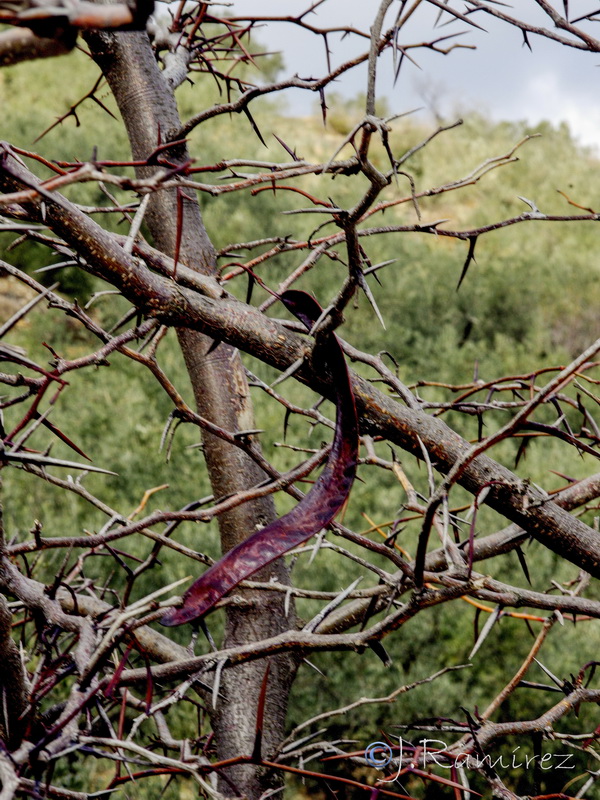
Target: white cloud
[{"x": 545, "y": 96}]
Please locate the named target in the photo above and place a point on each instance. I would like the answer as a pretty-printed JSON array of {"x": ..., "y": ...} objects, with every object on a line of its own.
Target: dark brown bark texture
[
  {"x": 13, "y": 694},
  {"x": 221, "y": 392}
]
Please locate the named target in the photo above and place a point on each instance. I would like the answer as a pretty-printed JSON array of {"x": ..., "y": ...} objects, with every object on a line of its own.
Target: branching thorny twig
[{"x": 96, "y": 655}]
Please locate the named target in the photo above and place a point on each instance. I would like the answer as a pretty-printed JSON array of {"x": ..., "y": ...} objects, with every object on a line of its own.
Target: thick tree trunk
[{"x": 149, "y": 110}]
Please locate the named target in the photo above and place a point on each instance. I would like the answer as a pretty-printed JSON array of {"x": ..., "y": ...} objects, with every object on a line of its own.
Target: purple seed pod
[{"x": 314, "y": 512}]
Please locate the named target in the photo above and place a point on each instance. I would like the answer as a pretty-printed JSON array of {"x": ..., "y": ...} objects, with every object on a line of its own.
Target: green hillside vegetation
[{"x": 530, "y": 300}]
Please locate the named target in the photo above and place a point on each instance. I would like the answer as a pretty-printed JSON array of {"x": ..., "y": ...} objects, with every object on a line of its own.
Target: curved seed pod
[{"x": 313, "y": 512}]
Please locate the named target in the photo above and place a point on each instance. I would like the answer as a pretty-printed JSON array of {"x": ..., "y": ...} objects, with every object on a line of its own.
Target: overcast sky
[{"x": 502, "y": 77}]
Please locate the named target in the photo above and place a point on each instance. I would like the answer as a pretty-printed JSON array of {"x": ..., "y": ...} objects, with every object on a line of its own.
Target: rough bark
[
  {"x": 13, "y": 694},
  {"x": 149, "y": 110}
]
